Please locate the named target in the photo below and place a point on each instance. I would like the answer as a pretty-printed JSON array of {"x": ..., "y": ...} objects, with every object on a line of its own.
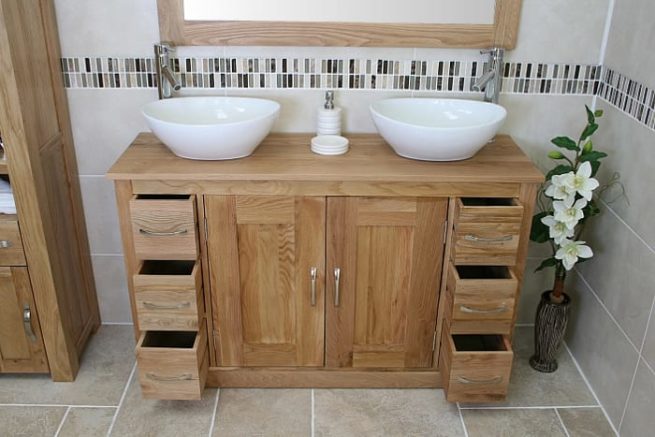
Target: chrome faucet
[
  {"x": 166, "y": 81},
  {"x": 491, "y": 81}
]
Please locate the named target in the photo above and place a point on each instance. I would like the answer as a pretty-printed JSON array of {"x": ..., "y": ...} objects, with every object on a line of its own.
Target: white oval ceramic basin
[
  {"x": 211, "y": 128},
  {"x": 437, "y": 129}
]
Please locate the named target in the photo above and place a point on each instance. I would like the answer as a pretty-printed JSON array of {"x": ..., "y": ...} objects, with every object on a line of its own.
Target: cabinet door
[
  {"x": 261, "y": 252},
  {"x": 21, "y": 344},
  {"x": 389, "y": 253}
]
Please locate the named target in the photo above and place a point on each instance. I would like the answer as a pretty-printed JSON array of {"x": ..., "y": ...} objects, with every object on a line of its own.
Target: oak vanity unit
[{"x": 289, "y": 269}]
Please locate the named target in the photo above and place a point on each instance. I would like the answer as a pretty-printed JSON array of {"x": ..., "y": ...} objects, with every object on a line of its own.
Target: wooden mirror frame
[{"x": 175, "y": 29}]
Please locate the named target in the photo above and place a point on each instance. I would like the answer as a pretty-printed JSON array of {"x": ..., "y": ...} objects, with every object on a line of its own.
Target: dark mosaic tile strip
[{"x": 629, "y": 96}]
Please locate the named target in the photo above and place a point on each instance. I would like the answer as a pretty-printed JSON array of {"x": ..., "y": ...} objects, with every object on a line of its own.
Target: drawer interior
[
  {"x": 169, "y": 339},
  {"x": 168, "y": 268},
  {"x": 480, "y": 343},
  {"x": 483, "y": 272},
  {"x": 163, "y": 196},
  {"x": 489, "y": 201}
]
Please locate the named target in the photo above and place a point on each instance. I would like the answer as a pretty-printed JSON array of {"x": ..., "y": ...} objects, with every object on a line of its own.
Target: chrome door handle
[
  {"x": 5, "y": 244},
  {"x": 27, "y": 323},
  {"x": 476, "y": 239},
  {"x": 337, "y": 292},
  {"x": 156, "y": 306},
  {"x": 183, "y": 377},
  {"x": 162, "y": 234},
  {"x": 494, "y": 380},
  {"x": 313, "y": 272},
  {"x": 472, "y": 310}
]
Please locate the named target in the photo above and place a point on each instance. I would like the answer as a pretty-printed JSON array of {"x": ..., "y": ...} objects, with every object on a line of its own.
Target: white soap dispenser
[{"x": 328, "y": 117}]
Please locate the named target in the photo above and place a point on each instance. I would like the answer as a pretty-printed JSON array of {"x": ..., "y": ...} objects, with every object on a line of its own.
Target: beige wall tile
[
  {"x": 639, "y": 419},
  {"x": 586, "y": 422},
  {"x": 503, "y": 423},
  {"x": 111, "y": 286},
  {"x": 87, "y": 422},
  {"x": 534, "y": 283},
  {"x": 101, "y": 215},
  {"x": 30, "y": 421},
  {"x": 649, "y": 345}
]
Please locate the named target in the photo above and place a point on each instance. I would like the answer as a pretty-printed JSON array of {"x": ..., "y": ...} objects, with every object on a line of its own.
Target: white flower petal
[
  {"x": 584, "y": 169},
  {"x": 585, "y": 251}
]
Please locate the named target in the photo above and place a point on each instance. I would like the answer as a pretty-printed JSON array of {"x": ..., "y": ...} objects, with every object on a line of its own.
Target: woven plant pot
[{"x": 549, "y": 330}]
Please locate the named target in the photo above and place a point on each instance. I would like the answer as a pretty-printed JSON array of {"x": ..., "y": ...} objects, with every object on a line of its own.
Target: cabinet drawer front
[
  {"x": 164, "y": 228},
  {"x": 487, "y": 231},
  {"x": 172, "y": 364},
  {"x": 11, "y": 245},
  {"x": 482, "y": 292},
  {"x": 168, "y": 295}
]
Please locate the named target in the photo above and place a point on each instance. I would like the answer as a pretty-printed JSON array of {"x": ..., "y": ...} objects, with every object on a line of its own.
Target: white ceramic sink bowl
[
  {"x": 211, "y": 128},
  {"x": 437, "y": 129}
]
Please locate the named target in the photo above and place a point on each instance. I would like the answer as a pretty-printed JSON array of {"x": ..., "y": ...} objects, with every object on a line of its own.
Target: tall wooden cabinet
[{"x": 48, "y": 305}]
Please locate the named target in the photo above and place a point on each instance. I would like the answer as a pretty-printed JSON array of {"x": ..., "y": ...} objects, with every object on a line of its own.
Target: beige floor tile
[
  {"x": 104, "y": 370},
  {"x": 586, "y": 422},
  {"x": 151, "y": 418},
  {"x": 263, "y": 412},
  {"x": 512, "y": 423},
  {"x": 30, "y": 421},
  {"x": 343, "y": 413},
  {"x": 529, "y": 388},
  {"x": 87, "y": 422}
]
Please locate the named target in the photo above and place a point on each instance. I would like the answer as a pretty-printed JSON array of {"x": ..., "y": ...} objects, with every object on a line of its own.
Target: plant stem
[{"x": 558, "y": 286}]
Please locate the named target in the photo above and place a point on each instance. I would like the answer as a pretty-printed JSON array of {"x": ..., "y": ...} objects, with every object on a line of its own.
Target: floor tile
[
  {"x": 104, "y": 370},
  {"x": 529, "y": 388},
  {"x": 87, "y": 422},
  {"x": 586, "y": 422},
  {"x": 512, "y": 423},
  {"x": 151, "y": 418},
  {"x": 263, "y": 412},
  {"x": 30, "y": 421},
  {"x": 343, "y": 413}
]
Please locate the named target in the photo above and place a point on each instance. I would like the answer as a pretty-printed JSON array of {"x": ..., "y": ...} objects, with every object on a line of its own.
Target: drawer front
[
  {"x": 487, "y": 235},
  {"x": 473, "y": 326},
  {"x": 172, "y": 365},
  {"x": 168, "y": 302},
  {"x": 475, "y": 374},
  {"x": 11, "y": 245},
  {"x": 164, "y": 228}
]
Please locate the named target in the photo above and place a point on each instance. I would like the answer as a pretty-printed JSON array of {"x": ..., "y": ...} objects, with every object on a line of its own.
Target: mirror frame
[{"x": 173, "y": 28}]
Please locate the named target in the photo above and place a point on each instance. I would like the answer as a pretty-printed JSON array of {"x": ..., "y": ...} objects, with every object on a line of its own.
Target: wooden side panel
[
  {"x": 267, "y": 246},
  {"x": 389, "y": 283},
  {"x": 19, "y": 352}
]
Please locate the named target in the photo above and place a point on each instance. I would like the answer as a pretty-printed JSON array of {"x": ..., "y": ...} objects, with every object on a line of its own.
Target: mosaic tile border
[
  {"x": 629, "y": 96},
  {"x": 319, "y": 73}
]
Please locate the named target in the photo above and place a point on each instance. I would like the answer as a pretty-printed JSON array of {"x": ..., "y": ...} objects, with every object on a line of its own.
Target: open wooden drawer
[
  {"x": 172, "y": 364},
  {"x": 481, "y": 299},
  {"x": 168, "y": 295},
  {"x": 475, "y": 367},
  {"x": 164, "y": 227},
  {"x": 487, "y": 231}
]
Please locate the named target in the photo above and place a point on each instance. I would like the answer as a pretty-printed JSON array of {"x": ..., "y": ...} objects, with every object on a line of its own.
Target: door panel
[
  {"x": 389, "y": 252},
  {"x": 261, "y": 251}
]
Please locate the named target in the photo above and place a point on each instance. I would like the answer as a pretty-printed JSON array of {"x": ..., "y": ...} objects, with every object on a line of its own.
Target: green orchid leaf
[
  {"x": 555, "y": 155},
  {"x": 595, "y": 165},
  {"x": 591, "y": 117},
  {"x": 592, "y": 156},
  {"x": 550, "y": 262},
  {"x": 560, "y": 169},
  {"x": 539, "y": 232},
  {"x": 589, "y": 131},
  {"x": 565, "y": 143}
]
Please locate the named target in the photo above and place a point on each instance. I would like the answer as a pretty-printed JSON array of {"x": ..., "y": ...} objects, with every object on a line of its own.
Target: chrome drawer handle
[
  {"x": 5, "y": 244},
  {"x": 313, "y": 272},
  {"x": 156, "y": 306},
  {"x": 337, "y": 292},
  {"x": 27, "y": 323},
  {"x": 465, "y": 380},
  {"x": 476, "y": 239},
  {"x": 471, "y": 310},
  {"x": 162, "y": 234},
  {"x": 183, "y": 377}
]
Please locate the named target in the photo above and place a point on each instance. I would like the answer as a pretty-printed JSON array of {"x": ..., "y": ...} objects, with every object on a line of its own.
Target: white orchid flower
[
  {"x": 559, "y": 189},
  {"x": 581, "y": 182},
  {"x": 570, "y": 251},
  {"x": 558, "y": 231},
  {"x": 568, "y": 212}
]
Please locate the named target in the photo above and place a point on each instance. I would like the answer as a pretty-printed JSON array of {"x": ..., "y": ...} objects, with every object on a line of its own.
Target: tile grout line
[
  {"x": 461, "y": 419},
  {"x": 58, "y": 405},
  {"x": 120, "y": 402},
  {"x": 313, "y": 418},
  {"x": 213, "y": 422},
  {"x": 63, "y": 419},
  {"x": 639, "y": 358},
  {"x": 591, "y": 389},
  {"x": 620, "y": 219},
  {"x": 566, "y": 431},
  {"x": 544, "y": 407}
]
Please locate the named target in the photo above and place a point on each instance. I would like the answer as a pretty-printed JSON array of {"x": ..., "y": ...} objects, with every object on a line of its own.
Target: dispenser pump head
[{"x": 329, "y": 100}]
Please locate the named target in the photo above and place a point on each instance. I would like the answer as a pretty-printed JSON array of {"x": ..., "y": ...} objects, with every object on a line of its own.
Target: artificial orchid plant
[{"x": 567, "y": 200}]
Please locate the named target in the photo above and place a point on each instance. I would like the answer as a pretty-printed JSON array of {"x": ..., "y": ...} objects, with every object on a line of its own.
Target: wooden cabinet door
[
  {"x": 261, "y": 251},
  {"x": 21, "y": 344},
  {"x": 389, "y": 252}
]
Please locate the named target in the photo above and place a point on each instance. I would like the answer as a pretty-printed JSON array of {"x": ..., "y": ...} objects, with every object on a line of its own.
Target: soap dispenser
[{"x": 329, "y": 117}]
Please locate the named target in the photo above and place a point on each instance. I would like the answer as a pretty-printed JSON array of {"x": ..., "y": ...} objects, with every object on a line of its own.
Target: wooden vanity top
[{"x": 287, "y": 157}]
